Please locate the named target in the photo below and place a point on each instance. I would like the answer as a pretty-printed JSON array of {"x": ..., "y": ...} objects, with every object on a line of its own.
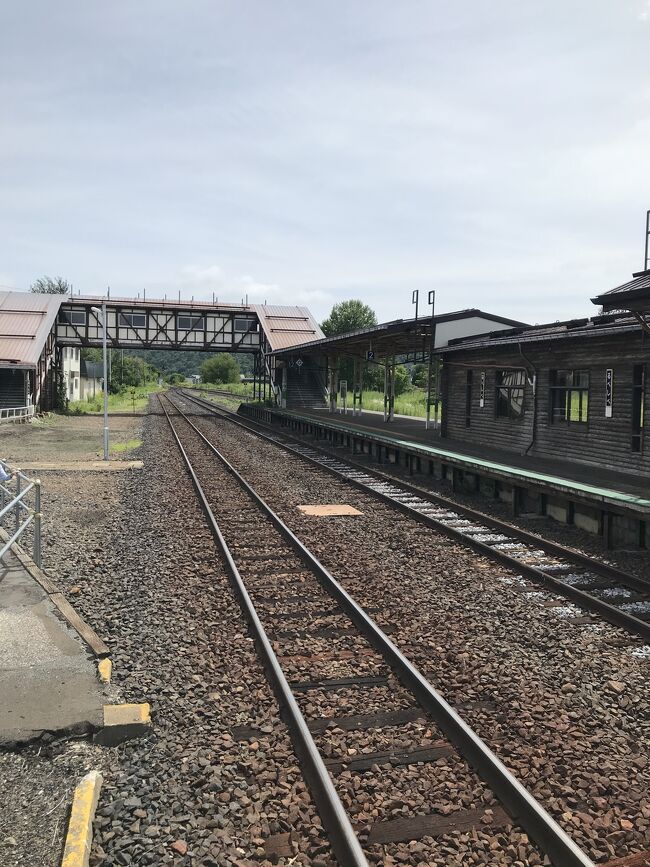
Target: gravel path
[{"x": 565, "y": 705}]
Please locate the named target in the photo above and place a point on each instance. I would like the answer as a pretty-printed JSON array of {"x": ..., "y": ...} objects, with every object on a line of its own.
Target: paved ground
[
  {"x": 36, "y": 781},
  {"x": 48, "y": 680}
]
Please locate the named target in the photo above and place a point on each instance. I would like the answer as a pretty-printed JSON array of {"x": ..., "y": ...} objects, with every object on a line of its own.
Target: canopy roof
[{"x": 402, "y": 336}]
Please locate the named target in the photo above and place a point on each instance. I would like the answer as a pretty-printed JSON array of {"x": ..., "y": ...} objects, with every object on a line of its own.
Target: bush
[{"x": 219, "y": 369}]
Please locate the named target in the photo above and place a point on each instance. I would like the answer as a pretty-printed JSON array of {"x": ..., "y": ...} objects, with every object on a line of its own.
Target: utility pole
[{"x": 102, "y": 312}]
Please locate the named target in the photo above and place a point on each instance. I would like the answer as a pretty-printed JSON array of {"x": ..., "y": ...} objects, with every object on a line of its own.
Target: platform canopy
[{"x": 402, "y": 337}]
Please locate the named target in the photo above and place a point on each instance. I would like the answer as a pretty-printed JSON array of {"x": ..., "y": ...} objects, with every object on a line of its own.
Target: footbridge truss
[{"x": 259, "y": 329}]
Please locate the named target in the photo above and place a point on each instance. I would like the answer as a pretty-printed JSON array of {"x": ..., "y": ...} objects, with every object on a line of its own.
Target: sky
[{"x": 313, "y": 151}]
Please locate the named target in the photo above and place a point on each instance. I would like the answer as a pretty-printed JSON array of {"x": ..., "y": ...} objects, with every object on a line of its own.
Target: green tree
[
  {"x": 348, "y": 316},
  {"x": 420, "y": 373},
  {"x": 220, "y": 368},
  {"x": 402, "y": 379},
  {"x": 51, "y": 286}
]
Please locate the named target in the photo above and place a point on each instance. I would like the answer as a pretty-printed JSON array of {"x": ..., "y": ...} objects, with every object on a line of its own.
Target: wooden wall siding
[{"x": 605, "y": 442}]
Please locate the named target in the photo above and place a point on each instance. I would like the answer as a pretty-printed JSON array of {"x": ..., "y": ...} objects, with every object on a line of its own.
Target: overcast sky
[{"x": 316, "y": 150}]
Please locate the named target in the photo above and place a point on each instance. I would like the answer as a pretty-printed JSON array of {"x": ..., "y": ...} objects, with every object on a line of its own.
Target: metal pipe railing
[
  {"x": 18, "y": 512},
  {"x": 16, "y": 413}
]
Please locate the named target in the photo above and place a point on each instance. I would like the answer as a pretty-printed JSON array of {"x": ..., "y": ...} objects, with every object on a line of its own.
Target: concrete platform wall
[{"x": 619, "y": 527}]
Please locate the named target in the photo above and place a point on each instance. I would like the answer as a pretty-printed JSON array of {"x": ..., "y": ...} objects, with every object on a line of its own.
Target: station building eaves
[
  {"x": 633, "y": 295},
  {"x": 26, "y": 320},
  {"x": 596, "y": 326}
]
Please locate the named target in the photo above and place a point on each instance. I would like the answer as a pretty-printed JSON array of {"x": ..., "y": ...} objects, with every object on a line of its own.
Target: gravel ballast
[{"x": 565, "y": 705}]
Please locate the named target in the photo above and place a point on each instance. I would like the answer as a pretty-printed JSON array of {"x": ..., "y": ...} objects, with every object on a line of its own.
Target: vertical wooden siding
[{"x": 605, "y": 442}]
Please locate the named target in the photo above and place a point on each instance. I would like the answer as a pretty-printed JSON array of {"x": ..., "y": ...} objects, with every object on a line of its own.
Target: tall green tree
[
  {"x": 51, "y": 286},
  {"x": 348, "y": 316},
  {"x": 220, "y": 368}
]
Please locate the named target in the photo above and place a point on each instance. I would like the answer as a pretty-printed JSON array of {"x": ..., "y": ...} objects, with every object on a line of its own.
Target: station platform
[
  {"x": 614, "y": 505},
  {"x": 48, "y": 672}
]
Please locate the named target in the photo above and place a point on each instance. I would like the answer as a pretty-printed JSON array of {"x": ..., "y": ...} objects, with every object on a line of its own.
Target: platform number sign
[
  {"x": 370, "y": 355},
  {"x": 609, "y": 402},
  {"x": 481, "y": 395}
]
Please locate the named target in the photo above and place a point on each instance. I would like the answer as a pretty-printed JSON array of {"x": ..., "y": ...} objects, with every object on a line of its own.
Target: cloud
[
  {"x": 201, "y": 277},
  {"x": 491, "y": 151}
]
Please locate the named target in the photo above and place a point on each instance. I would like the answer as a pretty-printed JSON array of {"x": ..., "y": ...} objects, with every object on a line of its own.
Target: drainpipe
[{"x": 531, "y": 375}]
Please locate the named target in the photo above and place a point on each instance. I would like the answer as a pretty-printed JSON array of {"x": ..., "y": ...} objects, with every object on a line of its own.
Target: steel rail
[
  {"x": 609, "y": 612},
  {"x": 518, "y": 802},
  {"x": 554, "y": 548},
  {"x": 344, "y": 841}
]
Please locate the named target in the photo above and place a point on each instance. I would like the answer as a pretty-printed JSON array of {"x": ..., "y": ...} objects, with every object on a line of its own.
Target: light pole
[{"x": 102, "y": 312}]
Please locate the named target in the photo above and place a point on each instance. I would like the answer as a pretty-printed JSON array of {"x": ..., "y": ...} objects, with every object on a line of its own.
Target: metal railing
[
  {"x": 20, "y": 508},
  {"x": 16, "y": 413}
]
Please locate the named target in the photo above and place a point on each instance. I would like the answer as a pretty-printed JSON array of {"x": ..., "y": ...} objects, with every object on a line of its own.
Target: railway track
[
  {"x": 316, "y": 640},
  {"x": 618, "y": 597}
]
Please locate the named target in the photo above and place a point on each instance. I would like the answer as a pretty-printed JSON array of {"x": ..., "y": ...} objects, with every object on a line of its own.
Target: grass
[
  {"x": 412, "y": 402},
  {"x": 125, "y": 447},
  {"x": 125, "y": 401}
]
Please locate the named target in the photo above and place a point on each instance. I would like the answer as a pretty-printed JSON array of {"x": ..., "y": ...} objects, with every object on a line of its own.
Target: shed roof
[
  {"x": 91, "y": 369},
  {"x": 26, "y": 319},
  {"x": 287, "y": 326},
  {"x": 397, "y": 337},
  {"x": 633, "y": 295},
  {"x": 596, "y": 326}
]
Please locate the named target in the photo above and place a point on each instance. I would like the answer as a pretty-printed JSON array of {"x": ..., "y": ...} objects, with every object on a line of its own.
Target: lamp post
[{"x": 102, "y": 312}]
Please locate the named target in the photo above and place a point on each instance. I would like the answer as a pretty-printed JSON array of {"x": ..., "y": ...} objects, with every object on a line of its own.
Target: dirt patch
[{"x": 69, "y": 438}]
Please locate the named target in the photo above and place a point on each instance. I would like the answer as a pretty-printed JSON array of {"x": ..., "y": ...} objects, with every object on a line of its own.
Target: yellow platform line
[{"x": 80, "y": 827}]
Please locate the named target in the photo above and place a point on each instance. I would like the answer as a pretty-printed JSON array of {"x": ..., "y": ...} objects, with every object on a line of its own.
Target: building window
[
  {"x": 72, "y": 317},
  {"x": 468, "y": 398},
  {"x": 191, "y": 323},
  {"x": 244, "y": 325},
  {"x": 76, "y": 355},
  {"x": 638, "y": 389},
  {"x": 133, "y": 320},
  {"x": 569, "y": 396},
  {"x": 510, "y": 386}
]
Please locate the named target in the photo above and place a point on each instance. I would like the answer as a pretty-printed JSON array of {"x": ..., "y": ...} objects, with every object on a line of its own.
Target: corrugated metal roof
[
  {"x": 26, "y": 319},
  {"x": 287, "y": 326},
  {"x": 637, "y": 288},
  {"x": 598, "y": 326},
  {"x": 399, "y": 336}
]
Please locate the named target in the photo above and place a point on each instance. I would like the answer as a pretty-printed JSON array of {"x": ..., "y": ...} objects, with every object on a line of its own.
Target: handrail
[
  {"x": 17, "y": 505},
  {"x": 16, "y": 413}
]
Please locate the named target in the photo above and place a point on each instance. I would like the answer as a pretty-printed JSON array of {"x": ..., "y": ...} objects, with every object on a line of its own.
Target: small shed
[{"x": 91, "y": 375}]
